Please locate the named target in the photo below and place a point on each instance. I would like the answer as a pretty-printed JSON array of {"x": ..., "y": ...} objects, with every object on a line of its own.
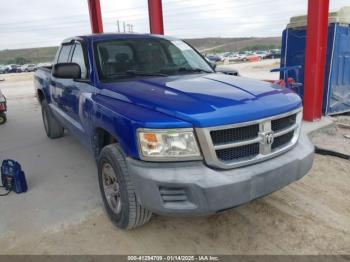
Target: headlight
[{"x": 168, "y": 144}]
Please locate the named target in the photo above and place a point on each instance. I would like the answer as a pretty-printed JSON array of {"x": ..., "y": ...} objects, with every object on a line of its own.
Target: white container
[{"x": 342, "y": 16}]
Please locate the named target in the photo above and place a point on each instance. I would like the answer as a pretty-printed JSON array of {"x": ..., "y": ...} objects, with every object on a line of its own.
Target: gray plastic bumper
[{"x": 192, "y": 188}]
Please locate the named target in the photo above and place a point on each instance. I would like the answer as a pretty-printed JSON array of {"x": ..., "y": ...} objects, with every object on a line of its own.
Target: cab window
[
  {"x": 79, "y": 58},
  {"x": 64, "y": 54}
]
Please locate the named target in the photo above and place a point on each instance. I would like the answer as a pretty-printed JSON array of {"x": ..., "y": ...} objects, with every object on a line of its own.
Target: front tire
[
  {"x": 118, "y": 191},
  {"x": 3, "y": 118},
  {"x": 52, "y": 127}
]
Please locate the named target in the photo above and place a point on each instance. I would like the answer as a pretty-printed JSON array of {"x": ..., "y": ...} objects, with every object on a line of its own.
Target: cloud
[{"x": 25, "y": 24}]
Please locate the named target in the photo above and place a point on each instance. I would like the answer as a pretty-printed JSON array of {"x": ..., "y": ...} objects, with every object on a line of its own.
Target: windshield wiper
[
  {"x": 133, "y": 73},
  {"x": 194, "y": 70},
  {"x": 137, "y": 73}
]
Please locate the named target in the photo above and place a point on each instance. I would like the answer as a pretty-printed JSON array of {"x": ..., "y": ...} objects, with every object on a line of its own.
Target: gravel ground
[
  {"x": 311, "y": 216},
  {"x": 335, "y": 137}
]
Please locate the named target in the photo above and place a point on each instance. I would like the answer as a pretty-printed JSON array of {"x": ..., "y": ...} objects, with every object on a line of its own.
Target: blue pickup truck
[{"x": 169, "y": 134}]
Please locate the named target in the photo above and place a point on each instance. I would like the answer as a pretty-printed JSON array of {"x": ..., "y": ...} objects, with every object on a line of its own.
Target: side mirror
[
  {"x": 227, "y": 71},
  {"x": 67, "y": 71},
  {"x": 213, "y": 65}
]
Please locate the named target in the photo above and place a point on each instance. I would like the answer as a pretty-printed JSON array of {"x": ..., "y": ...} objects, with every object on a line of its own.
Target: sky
[{"x": 37, "y": 23}]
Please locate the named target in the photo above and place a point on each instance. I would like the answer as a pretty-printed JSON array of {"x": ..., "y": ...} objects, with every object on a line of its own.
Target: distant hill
[
  {"x": 205, "y": 45},
  {"x": 31, "y": 55},
  {"x": 217, "y": 44}
]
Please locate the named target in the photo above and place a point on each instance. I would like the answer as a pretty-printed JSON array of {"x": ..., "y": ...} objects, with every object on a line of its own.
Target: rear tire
[
  {"x": 52, "y": 127},
  {"x": 3, "y": 118},
  {"x": 118, "y": 191}
]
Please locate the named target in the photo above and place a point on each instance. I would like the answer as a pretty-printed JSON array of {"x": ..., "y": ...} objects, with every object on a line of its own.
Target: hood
[{"x": 206, "y": 99}]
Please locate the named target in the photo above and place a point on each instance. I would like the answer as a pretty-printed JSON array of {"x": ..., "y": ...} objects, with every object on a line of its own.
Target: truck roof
[{"x": 111, "y": 36}]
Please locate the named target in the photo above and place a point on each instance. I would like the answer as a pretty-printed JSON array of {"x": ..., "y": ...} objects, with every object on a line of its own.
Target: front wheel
[
  {"x": 118, "y": 191},
  {"x": 3, "y": 118}
]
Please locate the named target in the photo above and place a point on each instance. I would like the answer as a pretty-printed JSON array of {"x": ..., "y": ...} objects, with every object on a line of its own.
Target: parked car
[
  {"x": 214, "y": 58},
  {"x": 261, "y": 54},
  {"x": 12, "y": 68},
  {"x": 275, "y": 53},
  {"x": 3, "y": 109},
  {"x": 252, "y": 57},
  {"x": 44, "y": 64},
  {"x": 170, "y": 135},
  {"x": 28, "y": 68},
  {"x": 234, "y": 57},
  {"x": 2, "y": 69}
]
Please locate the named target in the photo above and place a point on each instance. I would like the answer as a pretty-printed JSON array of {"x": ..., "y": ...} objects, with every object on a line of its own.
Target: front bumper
[{"x": 192, "y": 188}]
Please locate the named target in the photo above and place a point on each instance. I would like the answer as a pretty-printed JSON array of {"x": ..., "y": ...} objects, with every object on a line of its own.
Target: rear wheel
[
  {"x": 53, "y": 128},
  {"x": 117, "y": 190},
  {"x": 2, "y": 118}
]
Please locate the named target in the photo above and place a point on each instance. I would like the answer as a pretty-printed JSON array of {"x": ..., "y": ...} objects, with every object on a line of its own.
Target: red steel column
[
  {"x": 95, "y": 16},
  {"x": 155, "y": 12},
  {"x": 315, "y": 58}
]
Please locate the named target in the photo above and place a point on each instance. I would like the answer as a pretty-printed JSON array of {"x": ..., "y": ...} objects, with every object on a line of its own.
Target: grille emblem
[{"x": 269, "y": 138}]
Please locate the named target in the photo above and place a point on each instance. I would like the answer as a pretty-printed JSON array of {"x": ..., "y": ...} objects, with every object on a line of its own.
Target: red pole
[
  {"x": 155, "y": 12},
  {"x": 315, "y": 58},
  {"x": 95, "y": 16}
]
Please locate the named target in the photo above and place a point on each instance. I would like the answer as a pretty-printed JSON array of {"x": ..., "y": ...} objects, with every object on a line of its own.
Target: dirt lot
[{"x": 311, "y": 216}]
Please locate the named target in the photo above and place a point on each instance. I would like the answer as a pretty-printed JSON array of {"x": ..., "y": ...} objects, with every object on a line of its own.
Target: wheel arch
[{"x": 101, "y": 138}]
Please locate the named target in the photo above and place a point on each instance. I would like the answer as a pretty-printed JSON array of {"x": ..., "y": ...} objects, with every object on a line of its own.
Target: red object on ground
[
  {"x": 281, "y": 82},
  {"x": 315, "y": 58},
  {"x": 155, "y": 12},
  {"x": 95, "y": 16}
]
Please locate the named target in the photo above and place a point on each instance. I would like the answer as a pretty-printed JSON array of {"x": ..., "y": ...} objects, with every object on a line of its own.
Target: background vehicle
[
  {"x": 261, "y": 54},
  {"x": 3, "y": 108},
  {"x": 274, "y": 53},
  {"x": 12, "y": 68},
  {"x": 252, "y": 57},
  {"x": 214, "y": 58},
  {"x": 2, "y": 69},
  {"x": 44, "y": 64},
  {"x": 28, "y": 68},
  {"x": 170, "y": 135}
]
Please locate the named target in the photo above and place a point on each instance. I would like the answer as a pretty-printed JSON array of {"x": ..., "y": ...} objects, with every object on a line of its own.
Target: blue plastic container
[
  {"x": 13, "y": 177},
  {"x": 337, "y": 81}
]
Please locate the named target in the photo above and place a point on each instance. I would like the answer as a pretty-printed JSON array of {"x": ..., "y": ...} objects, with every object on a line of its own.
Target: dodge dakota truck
[{"x": 169, "y": 134}]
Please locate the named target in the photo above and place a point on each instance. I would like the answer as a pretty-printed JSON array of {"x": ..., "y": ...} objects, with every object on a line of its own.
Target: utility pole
[
  {"x": 118, "y": 26},
  {"x": 129, "y": 27},
  {"x": 122, "y": 26}
]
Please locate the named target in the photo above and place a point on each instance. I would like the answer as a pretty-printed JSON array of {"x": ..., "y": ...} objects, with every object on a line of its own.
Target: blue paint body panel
[
  {"x": 181, "y": 101},
  {"x": 337, "y": 81}
]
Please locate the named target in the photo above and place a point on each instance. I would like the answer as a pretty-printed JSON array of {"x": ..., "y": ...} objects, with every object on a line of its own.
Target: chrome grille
[
  {"x": 282, "y": 140},
  {"x": 282, "y": 123},
  {"x": 240, "y": 152},
  {"x": 245, "y": 143},
  {"x": 234, "y": 134}
]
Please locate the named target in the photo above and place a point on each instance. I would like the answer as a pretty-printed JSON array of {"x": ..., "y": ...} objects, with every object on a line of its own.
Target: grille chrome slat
[
  {"x": 238, "y": 144},
  {"x": 287, "y": 130},
  {"x": 267, "y": 138}
]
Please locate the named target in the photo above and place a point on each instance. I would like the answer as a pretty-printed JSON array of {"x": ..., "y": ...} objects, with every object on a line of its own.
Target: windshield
[{"x": 127, "y": 58}]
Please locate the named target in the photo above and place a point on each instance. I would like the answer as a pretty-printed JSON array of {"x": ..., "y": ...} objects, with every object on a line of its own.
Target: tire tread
[{"x": 138, "y": 215}]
